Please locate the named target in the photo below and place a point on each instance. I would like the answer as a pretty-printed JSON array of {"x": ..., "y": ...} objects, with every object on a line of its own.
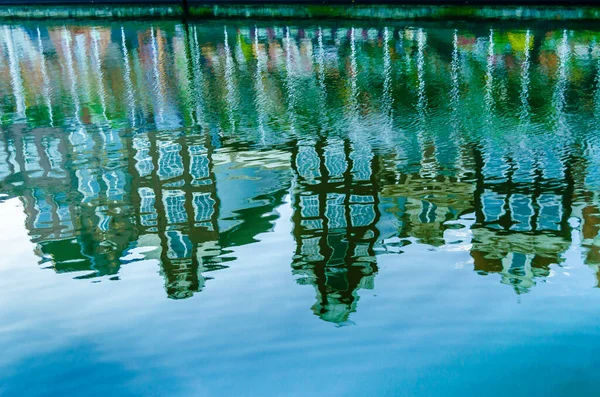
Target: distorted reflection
[{"x": 179, "y": 142}]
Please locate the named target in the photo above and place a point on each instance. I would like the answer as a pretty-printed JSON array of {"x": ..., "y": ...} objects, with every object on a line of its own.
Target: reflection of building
[
  {"x": 90, "y": 198},
  {"x": 78, "y": 212},
  {"x": 335, "y": 217},
  {"x": 93, "y": 193},
  {"x": 176, "y": 177},
  {"x": 177, "y": 201},
  {"x": 183, "y": 139},
  {"x": 590, "y": 230},
  {"x": 423, "y": 205},
  {"x": 518, "y": 257},
  {"x": 522, "y": 220}
]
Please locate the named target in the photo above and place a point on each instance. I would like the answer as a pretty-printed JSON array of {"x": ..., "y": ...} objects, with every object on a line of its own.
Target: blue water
[{"x": 299, "y": 209}]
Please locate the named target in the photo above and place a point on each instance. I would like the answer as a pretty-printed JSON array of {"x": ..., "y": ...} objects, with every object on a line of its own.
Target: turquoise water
[{"x": 299, "y": 208}]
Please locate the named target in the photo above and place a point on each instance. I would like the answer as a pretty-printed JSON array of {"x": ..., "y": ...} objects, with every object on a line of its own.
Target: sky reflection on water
[{"x": 431, "y": 191}]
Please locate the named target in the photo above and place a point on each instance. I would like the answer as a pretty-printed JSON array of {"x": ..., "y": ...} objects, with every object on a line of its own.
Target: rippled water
[{"x": 294, "y": 209}]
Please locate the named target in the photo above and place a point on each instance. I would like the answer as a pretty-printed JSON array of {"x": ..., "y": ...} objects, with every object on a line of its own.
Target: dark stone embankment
[{"x": 400, "y": 10}]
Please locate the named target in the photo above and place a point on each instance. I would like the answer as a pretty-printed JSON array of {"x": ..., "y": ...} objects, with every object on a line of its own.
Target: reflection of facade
[
  {"x": 183, "y": 139},
  {"x": 94, "y": 193},
  {"x": 177, "y": 201},
  {"x": 423, "y": 205},
  {"x": 590, "y": 230},
  {"x": 335, "y": 217},
  {"x": 78, "y": 214},
  {"x": 520, "y": 228},
  {"x": 525, "y": 225},
  {"x": 86, "y": 209}
]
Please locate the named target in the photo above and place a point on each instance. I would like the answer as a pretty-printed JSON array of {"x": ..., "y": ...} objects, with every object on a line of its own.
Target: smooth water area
[{"x": 299, "y": 208}]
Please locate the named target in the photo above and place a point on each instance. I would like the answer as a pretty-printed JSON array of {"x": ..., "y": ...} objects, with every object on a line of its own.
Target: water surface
[{"x": 299, "y": 208}]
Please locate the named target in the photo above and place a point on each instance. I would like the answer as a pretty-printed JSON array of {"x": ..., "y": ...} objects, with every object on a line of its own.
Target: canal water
[{"x": 232, "y": 208}]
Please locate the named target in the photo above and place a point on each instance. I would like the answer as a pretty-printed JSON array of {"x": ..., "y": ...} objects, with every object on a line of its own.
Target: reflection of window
[
  {"x": 526, "y": 163},
  {"x": 179, "y": 245},
  {"x": 361, "y": 199},
  {"x": 112, "y": 142},
  {"x": 147, "y": 209},
  {"x": 522, "y": 211},
  {"x": 492, "y": 206},
  {"x": 361, "y": 251},
  {"x": 103, "y": 218},
  {"x": 427, "y": 213},
  {"x": 309, "y": 206},
  {"x": 81, "y": 141},
  {"x": 170, "y": 164},
  {"x": 4, "y": 165},
  {"x": 203, "y": 207},
  {"x": 362, "y": 214},
  {"x": 312, "y": 224},
  {"x": 308, "y": 162},
  {"x": 88, "y": 185},
  {"x": 198, "y": 162},
  {"x": 31, "y": 155},
  {"x": 361, "y": 163},
  {"x": 148, "y": 220},
  {"x": 310, "y": 249},
  {"x": 147, "y": 199},
  {"x": 550, "y": 212},
  {"x": 52, "y": 150},
  {"x": 44, "y": 210},
  {"x": 115, "y": 185},
  {"x": 517, "y": 269},
  {"x": 142, "y": 157},
  {"x": 335, "y": 159},
  {"x": 335, "y": 211},
  {"x": 174, "y": 202},
  {"x": 64, "y": 214}
]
